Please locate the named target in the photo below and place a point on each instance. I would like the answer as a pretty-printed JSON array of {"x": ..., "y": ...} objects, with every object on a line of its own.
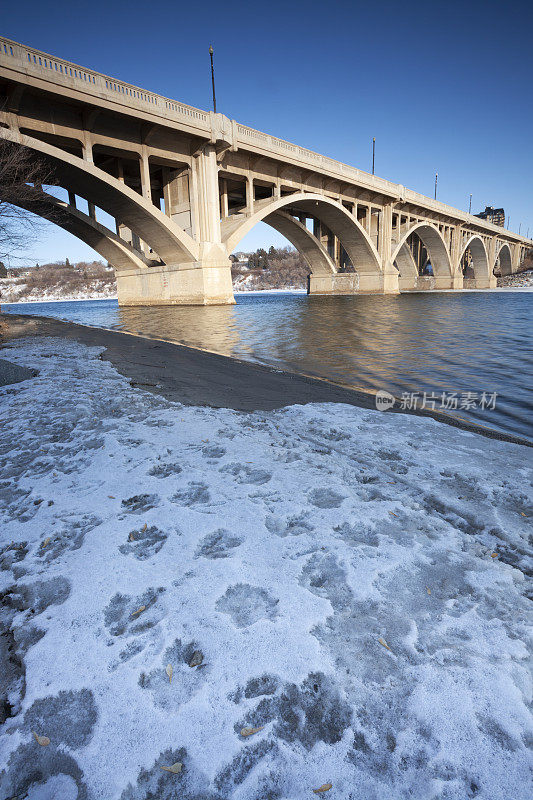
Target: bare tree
[{"x": 22, "y": 175}]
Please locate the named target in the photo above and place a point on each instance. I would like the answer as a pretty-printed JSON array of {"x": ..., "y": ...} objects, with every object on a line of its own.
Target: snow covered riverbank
[{"x": 354, "y": 583}]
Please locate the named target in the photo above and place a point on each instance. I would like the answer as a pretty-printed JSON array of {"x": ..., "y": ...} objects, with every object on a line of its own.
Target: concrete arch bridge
[{"x": 184, "y": 186}]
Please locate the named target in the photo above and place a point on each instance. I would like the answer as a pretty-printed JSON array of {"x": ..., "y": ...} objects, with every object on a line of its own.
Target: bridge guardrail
[
  {"x": 395, "y": 190},
  {"x": 67, "y": 73}
]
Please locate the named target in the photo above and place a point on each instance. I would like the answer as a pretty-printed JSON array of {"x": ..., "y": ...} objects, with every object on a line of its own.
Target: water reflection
[
  {"x": 403, "y": 343},
  {"x": 211, "y": 328}
]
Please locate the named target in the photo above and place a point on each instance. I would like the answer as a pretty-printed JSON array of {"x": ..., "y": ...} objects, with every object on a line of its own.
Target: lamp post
[
  {"x": 373, "y": 154},
  {"x": 213, "y": 80},
  {"x": 470, "y": 205},
  {"x": 436, "y": 179}
]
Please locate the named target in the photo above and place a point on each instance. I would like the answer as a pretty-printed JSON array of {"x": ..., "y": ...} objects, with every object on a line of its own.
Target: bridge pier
[
  {"x": 428, "y": 283},
  {"x": 489, "y": 282},
  {"x": 346, "y": 283},
  {"x": 192, "y": 284}
]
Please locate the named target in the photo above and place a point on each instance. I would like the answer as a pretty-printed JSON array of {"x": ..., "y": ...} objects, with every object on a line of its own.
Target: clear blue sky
[{"x": 443, "y": 87}]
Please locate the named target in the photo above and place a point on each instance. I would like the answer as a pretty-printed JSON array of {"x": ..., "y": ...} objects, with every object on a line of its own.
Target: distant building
[{"x": 494, "y": 215}]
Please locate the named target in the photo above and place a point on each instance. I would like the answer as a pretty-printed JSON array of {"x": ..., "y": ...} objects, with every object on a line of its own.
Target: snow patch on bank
[{"x": 354, "y": 583}]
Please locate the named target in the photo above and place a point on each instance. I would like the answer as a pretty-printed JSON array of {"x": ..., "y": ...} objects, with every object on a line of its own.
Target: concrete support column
[
  {"x": 515, "y": 257},
  {"x": 206, "y": 197},
  {"x": 249, "y": 196},
  {"x": 166, "y": 191},
  {"x": 455, "y": 247},
  {"x": 390, "y": 275},
  {"x": 336, "y": 251},
  {"x": 92, "y": 209},
  {"x": 87, "y": 147},
  {"x": 385, "y": 238},
  {"x": 177, "y": 196},
  {"x": 122, "y": 230},
  {"x": 456, "y": 250},
  {"x": 224, "y": 210},
  {"x": 491, "y": 255},
  {"x": 330, "y": 246},
  {"x": 368, "y": 220},
  {"x": 194, "y": 195},
  {"x": 145, "y": 175},
  {"x": 71, "y": 199}
]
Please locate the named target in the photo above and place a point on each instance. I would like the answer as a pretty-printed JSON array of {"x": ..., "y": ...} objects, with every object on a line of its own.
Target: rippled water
[{"x": 441, "y": 342}]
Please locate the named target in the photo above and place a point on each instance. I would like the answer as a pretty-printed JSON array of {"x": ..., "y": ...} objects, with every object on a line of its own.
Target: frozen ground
[{"x": 288, "y": 548}]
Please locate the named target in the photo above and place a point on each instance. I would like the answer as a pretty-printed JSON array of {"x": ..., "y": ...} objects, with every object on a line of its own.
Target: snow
[
  {"x": 288, "y": 290},
  {"x": 12, "y": 295},
  {"x": 289, "y": 547}
]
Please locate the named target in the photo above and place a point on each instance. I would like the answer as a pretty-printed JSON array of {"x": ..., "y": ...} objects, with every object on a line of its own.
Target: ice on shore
[{"x": 355, "y": 585}]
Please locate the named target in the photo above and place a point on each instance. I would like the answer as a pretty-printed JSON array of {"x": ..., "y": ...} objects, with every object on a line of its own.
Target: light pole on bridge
[
  {"x": 373, "y": 154},
  {"x": 213, "y": 79},
  {"x": 470, "y": 205},
  {"x": 436, "y": 179}
]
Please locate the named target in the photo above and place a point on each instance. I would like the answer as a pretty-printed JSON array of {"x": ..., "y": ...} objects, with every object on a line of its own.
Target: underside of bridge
[
  {"x": 423, "y": 261},
  {"x": 503, "y": 265},
  {"x": 184, "y": 187},
  {"x": 475, "y": 267}
]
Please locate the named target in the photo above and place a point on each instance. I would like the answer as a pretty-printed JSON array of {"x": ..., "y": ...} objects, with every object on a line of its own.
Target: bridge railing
[
  {"x": 349, "y": 173},
  {"x": 250, "y": 135},
  {"x": 65, "y": 72}
]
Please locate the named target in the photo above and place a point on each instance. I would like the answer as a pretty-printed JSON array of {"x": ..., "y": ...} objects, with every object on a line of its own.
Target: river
[{"x": 469, "y": 342}]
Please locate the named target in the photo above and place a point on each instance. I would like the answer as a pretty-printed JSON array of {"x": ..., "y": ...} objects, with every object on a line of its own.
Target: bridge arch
[
  {"x": 172, "y": 244},
  {"x": 315, "y": 254},
  {"x": 354, "y": 239},
  {"x": 111, "y": 247},
  {"x": 476, "y": 266},
  {"x": 504, "y": 260},
  {"x": 431, "y": 238}
]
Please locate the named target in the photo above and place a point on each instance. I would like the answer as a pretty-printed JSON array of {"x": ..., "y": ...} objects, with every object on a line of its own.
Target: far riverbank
[{"x": 12, "y": 292}]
